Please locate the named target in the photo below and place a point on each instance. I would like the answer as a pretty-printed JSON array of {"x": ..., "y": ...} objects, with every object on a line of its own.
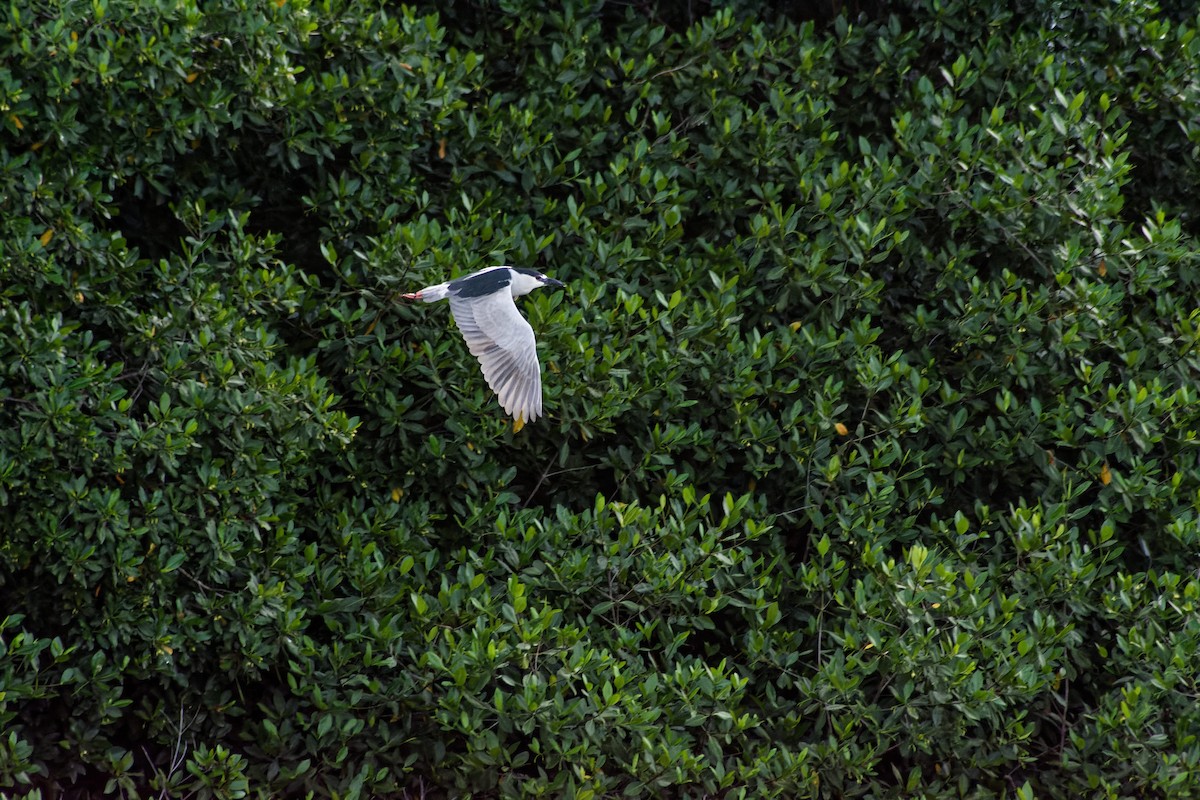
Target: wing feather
[{"x": 504, "y": 343}]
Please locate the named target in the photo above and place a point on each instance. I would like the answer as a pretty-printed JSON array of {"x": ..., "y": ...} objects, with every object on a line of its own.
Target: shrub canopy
[{"x": 870, "y": 464}]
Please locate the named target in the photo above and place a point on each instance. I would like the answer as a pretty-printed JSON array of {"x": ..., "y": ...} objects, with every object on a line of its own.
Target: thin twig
[
  {"x": 541, "y": 480},
  {"x": 1062, "y": 731},
  {"x": 657, "y": 75},
  {"x": 547, "y": 474}
]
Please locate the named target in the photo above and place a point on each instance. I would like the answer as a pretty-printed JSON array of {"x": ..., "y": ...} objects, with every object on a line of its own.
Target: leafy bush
[{"x": 870, "y": 463}]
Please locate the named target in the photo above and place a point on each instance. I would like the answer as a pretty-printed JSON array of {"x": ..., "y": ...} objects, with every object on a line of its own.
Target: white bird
[{"x": 496, "y": 333}]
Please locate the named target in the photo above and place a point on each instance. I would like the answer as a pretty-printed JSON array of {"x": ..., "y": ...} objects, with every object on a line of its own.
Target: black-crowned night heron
[{"x": 496, "y": 333}]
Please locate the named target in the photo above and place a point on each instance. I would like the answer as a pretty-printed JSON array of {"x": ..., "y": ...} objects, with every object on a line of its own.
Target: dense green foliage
[{"x": 871, "y": 458}]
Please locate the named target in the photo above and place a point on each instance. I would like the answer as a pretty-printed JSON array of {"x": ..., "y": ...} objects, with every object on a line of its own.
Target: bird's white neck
[{"x": 523, "y": 284}]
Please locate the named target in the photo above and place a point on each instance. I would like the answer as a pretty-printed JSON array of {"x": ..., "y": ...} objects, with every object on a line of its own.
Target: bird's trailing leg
[{"x": 429, "y": 294}]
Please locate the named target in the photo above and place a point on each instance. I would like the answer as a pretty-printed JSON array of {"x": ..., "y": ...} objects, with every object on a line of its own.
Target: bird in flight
[{"x": 484, "y": 309}]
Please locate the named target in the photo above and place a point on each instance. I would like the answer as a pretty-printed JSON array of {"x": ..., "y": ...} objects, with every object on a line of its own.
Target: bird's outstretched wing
[{"x": 503, "y": 341}]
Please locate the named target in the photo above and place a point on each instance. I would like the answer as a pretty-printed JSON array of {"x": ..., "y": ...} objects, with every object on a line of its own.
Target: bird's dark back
[{"x": 481, "y": 284}]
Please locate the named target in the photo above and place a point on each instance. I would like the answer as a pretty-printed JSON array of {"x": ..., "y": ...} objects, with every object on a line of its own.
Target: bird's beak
[{"x": 552, "y": 282}]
